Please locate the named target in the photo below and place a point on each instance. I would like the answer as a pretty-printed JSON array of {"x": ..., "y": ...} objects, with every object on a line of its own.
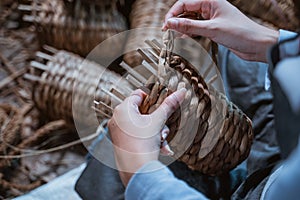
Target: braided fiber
[
  {"x": 281, "y": 13},
  {"x": 71, "y": 82},
  {"x": 75, "y": 26},
  {"x": 208, "y": 133}
]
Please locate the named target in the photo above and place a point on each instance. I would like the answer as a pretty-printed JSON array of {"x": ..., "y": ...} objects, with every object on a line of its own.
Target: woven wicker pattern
[
  {"x": 145, "y": 14},
  {"x": 75, "y": 26},
  {"x": 208, "y": 133},
  {"x": 99, "y": 2},
  {"x": 213, "y": 135},
  {"x": 6, "y": 2},
  {"x": 281, "y": 13},
  {"x": 67, "y": 81},
  {"x": 9, "y": 14}
]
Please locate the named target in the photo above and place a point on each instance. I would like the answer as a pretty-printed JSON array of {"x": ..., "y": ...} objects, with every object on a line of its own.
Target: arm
[
  {"x": 224, "y": 24},
  {"x": 159, "y": 184},
  {"x": 136, "y": 139}
]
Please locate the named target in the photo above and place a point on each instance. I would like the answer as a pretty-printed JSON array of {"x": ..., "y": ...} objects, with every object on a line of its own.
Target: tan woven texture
[
  {"x": 280, "y": 13},
  {"x": 67, "y": 82},
  {"x": 209, "y": 133},
  {"x": 75, "y": 26},
  {"x": 99, "y": 2},
  {"x": 145, "y": 14},
  {"x": 5, "y": 2},
  {"x": 9, "y": 14}
]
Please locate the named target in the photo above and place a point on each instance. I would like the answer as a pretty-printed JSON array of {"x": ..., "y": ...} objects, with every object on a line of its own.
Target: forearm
[{"x": 155, "y": 181}]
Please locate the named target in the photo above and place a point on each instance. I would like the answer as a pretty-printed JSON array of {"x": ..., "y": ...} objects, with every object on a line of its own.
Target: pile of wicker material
[
  {"x": 25, "y": 137},
  {"x": 17, "y": 49},
  {"x": 279, "y": 13},
  {"x": 77, "y": 26}
]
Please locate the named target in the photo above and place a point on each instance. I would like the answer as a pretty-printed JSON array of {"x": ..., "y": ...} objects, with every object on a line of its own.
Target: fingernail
[
  {"x": 183, "y": 90},
  {"x": 173, "y": 23},
  {"x": 164, "y": 135},
  {"x": 164, "y": 28},
  {"x": 181, "y": 95},
  {"x": 170, "y": 152}
]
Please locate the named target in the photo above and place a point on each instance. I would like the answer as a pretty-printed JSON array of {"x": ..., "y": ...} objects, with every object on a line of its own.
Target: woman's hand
[
  {"x": 136, "y": 137},
  {"x": 224, "y": 24}
]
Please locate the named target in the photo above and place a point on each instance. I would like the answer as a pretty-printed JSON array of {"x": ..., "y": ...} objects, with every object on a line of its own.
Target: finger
[
  {"x": 182, "y": 6},
  {"x": 164, "y": 133},
  {"x": 166, "y": 150},
  {"x": 184, "y": 36},
  {"x": 169, "y": 105},
  {"x": 191, "y": 27},
  {"x": 132, "y": 102},
  {"x": 179, "y": 7},
  {"x": 175, "y": 10},
  {"x": 136, "y": 97}
]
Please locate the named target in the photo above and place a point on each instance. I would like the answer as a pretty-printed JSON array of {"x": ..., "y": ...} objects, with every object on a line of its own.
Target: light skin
[
  {"x": 225, "y": 25},
  {"x": 137, "y": 137}
]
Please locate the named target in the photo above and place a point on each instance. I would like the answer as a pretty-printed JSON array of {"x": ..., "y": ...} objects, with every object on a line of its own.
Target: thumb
[
  {"x": 136, "y": 97},
  {"x": 190, "y": 27},
  {"x": 169, "y": 105}
]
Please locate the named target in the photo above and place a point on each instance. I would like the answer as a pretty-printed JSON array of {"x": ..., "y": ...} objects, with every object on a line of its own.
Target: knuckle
[
  {"x": 215, "y": 26},
  {"x": 117, "y": 109},
  {"x": 110, "y": 124},
  {"x": 185, "y": 25},
  {"x": 171, "y": 102}
]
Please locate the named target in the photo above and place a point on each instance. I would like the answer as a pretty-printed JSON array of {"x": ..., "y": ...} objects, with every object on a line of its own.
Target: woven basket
[
  {"x": 9, "y": 14},
  {"x": 75, "y": 26},
  {"x": 281, "y": 13},
  {"x": 67, "y": 82},
  {"x": 99, "y": 2},
  {"x": 6, "y": 2},
  {"x": 211, "y": 132},
  {"x": 208, "y": 133}
]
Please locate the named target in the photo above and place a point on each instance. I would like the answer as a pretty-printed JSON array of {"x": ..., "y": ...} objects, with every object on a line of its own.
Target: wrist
[
  {"x": 142, "y": 168},
  {"x": 128, "y": 163},
  {"x": 268, "y": 38}
]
